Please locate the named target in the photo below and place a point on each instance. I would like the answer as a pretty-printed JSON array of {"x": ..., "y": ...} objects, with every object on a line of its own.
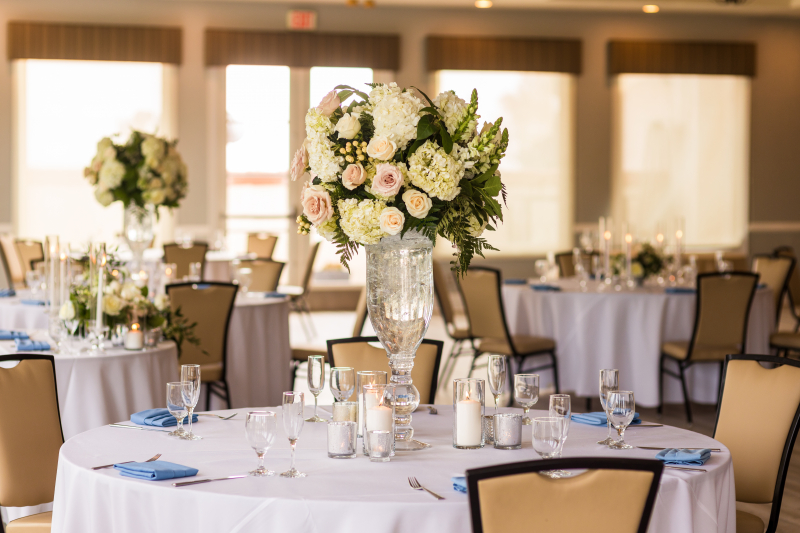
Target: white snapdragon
[
  {"x": 434, "y": 171},
  {"x": 453, "y": 109},
  {"x": 396, "y": 117},
  {"x": 361, "y": 221}
]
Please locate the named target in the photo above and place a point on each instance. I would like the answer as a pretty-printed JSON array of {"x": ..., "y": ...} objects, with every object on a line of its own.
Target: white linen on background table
[
  {"x": 18, "y": 316},
  {"x": 623, "y": 330},
  {"x": 341, "y": 495}
]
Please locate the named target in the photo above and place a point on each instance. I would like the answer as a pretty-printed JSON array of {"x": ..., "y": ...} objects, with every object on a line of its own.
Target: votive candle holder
[
  {"x": 507, "y": 431},
  {"x": 342, "y": 439},
  {"x": 381, "y": 444},
  {"x": 469, "y": 398}
]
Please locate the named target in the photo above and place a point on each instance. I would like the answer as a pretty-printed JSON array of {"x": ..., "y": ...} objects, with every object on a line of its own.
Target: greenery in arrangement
[
  {"x": 388, "y": 163},
  {"x": 648, "y": 261}
]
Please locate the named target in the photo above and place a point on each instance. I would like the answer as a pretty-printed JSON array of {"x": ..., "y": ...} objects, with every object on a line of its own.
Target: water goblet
[
  {"x": 190, "y": 379},
  {"x": 316, "y": 381},
  {"x": 621, "y": 410},
  {"x": 541, "y": 266},
  {"x": 292, "y": 407},
  {"x": 497, "y": 376},
  {"x": 176, "y": 407},
  {"x": 260, "y": 427},
  {"x": 609, "y": 382},
  {"x": 526, "y": 393},
  {"x": 343, "y": 382}
]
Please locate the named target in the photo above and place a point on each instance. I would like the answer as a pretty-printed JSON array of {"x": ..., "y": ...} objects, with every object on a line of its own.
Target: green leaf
[
  {"x": 493, "y": 186},
  {"x": 485, "y": 176},
  {"x": 425, "y": 127},
  {"x": 362, "y": 94},
  {"x": 413, "y": 148},
  {"x": 432, "y": 110},
  {"x": 447, "y": 141},
  {"x": 425, "y": 95},
  {"x": 344, "y": 95}
]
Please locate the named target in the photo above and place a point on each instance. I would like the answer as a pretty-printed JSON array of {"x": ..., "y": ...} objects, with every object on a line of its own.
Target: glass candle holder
[
  {"x": 488, "y": 429},
  {"x": 342, "y": 439},
  {"x": 134, "y": 338},
  {"x": 469, "y": 398},
  {"x": 367, "y": 377},
  {"x": 508, "y": 431},
  {"x": 345, "y": 411},
  {"x": 378, "y": 407},
  {"x": 381, "y": 444}
]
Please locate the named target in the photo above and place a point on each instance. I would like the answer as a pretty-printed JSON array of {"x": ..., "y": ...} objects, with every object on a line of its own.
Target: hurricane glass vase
[
  {"x": 400, "y": 304},
  {"x": 139, "y": 230}
]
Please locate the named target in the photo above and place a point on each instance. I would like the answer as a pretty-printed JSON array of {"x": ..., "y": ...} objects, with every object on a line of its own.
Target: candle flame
[
  {"x": 679, "y": 234},
  {"x": 63, "y": 256},
  {"x": 660, "y": 237},
  {"x": 607, "y": 235},
  {"x": 629, "y": 238},
  {"x": 134, "y": 327}
]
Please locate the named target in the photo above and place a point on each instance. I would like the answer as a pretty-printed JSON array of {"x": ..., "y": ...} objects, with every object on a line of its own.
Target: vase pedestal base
[{"x": 412, "y": 445}]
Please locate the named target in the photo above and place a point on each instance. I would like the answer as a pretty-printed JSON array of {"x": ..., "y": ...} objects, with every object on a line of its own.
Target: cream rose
[
  {"x": 348, "y": 126},
  {"x": 418, "y": 203},
  {"x": 387, "y": 181},
  {"x": 130, "y": 291},
  {"x": 112, "y": 288},
  {"x": 299, "y": 162},
  {"x": 392, "y": 220},
  {"x": 330, "y": 103},
  {"x": 353, "y": 176},
  {"x": 381, "y": 148},
  {"x": 317, "y": 206},
  {"x": 67, "y": 311},
  {"x": 112, "y": 305},
  {"x": 161, "y": 302}
]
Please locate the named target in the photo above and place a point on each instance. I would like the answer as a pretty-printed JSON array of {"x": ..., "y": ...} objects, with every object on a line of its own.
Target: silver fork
[
  {"x": 217, "y": 416},
  {"x": 154, "y": 458},
  {"x": 433, "y": 410},
  {"x": 416, "y": 486}
]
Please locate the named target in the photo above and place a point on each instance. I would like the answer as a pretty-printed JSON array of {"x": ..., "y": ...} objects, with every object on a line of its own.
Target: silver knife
[
  {"x": 644, "y": 426},
  {"x": 685, "y": 468},
  {"x": 184, "y": 483},
  {"x": 678, "y": 447},
  {"x": 137, "y": 427}
]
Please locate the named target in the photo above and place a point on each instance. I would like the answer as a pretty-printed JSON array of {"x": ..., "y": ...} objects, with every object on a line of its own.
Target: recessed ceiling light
[
  {"x": 483, "y": 4},
  {"x": 650, "y": 8}
]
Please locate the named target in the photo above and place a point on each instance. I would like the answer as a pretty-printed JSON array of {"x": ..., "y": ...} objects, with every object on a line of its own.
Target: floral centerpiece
[
  {"x": 647, "y": 262},
  {"x": 388, "y": 163}
]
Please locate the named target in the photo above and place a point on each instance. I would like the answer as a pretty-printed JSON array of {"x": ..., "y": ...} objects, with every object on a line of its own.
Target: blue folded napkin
[
  {"x": 459, "y": 483},
  {"x": 598, "y": 418},
  {"x": 155, "y": 470},
  {"x": 514, "y": 281},
  {"x": 6, "y": 293},
  {"x": 677, "y": 456},
  {"x": 762, "y": 286},
  {"x": 8, "y": 335},
  {"x": 28, "y": 345},
  {"x": 32, "y": 302},
  {"x": 157, "y": 417},
  {"x": 680, "y": 290},
  {"x": 545, "y": 287},
  {"x": 274, "y": 294}
]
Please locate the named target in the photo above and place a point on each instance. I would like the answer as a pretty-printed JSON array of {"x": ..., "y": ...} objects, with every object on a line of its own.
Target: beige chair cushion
[
  {"x": 785, "y": 340},
  {"x": 261, "y": 244},
  {"x": 183, "y": 256},
  {"x": 301, "y": 354},
  {"x": 678, "y": 350},
  {"x": 481, "y": 290},
  {"x": 211, "y": 372},
  {"x": 36, "y": 523},
  {"x": 459, "y": 333},
  {"x": 524, "y": 344},
  {"x": 748, "y": 523},
  {"x": 774, "y": 273},
  {"x": 28, "y": 251},
  {"x": 264, "y": 276},
  {"x": 14, "y": 263}
]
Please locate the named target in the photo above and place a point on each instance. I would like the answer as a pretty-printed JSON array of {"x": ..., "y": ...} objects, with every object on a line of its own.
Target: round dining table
[{"x": 344, "y": 495}]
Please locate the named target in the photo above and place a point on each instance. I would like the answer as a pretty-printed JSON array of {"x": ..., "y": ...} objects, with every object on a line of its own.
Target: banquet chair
[
  {"x": 209, "y": 305},
  {"x": 182, "y": 256},
  {"x": 361, "y": 313},
  {"x": 775, "y": 273},
  {"x": 720, "y": 328},
  {"x": 6, "y": 279},
  {"x": 28, "y": 252},
  {"x": 264, "y": 274},
  {"x": 518, "y": 497},
  {"x": 484, "y": 302},
  {"x": 14, "y": 263},
  {"x": 761, "y": 457},
  {"x": 261, "y": 244},
  {"x": 30, "y": 438},
  {"x": 299, "y": 302},
  {"x": 566, "y": 268},
  {"x": 460, "y": 335},
  {"x": 793, "y": 294},
  {"x": 357, "y": 353}
]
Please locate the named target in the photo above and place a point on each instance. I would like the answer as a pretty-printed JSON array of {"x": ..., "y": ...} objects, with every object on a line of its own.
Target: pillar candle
[
  {"x": 134, "y": 339},
  {"x": 468, "y": 423},
  {"x": 379, "y": 418}
]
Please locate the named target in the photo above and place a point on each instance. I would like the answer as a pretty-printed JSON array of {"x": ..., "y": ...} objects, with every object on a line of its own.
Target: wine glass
[
  {"x": 609, "y": 382},
  {"x": 343, "y": 382},
  {"x": 548, "y": 437},
  {"x": 190, "y": 378},
  {"x": 316, "y": 381},
  {"x": 497, "y": 376},
  {"x": 55, "y": 328},
  {"x": 541, "y": 266},
  {"x": 526, "y": 393},
  {"x": 621, "y": 410},
  {"x": 260, "y": 427},
  {"x": 292, "y": 407},
  {"x": 176, "y": 407}
]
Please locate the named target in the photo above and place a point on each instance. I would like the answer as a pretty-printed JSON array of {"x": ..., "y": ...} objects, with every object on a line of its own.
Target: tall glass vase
[
  {"x": 139, "y": 230},
  {"x": 400, "y": 304}
]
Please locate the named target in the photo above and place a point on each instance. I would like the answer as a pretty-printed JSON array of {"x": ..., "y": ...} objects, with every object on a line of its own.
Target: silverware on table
[
  {"x": 154, "y": 458},
  {"x": 217, "y": 416},
  {"x": 416, "y": 486},
  {"x": 645, "y": 426},
  {"x": 677, "y": 447},
  {"x": 433, "y": 410},
  {"x": 184, "y": 483},
  {"x": 685, "y": 468},
  {"x": 138, "y": 427}
]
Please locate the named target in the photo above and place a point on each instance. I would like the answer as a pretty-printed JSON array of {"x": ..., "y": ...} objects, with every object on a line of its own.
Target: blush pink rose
[
  {"x": 353, "y": 176},
  {"x": 299, "y": 163},
  {"x": 387, "y": 181},
  {"x": 316, "y": 203},
  {"x": 330, "y": 103}
]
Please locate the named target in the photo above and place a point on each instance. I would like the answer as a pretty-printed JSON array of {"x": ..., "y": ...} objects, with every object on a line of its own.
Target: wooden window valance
[
  {"x": 42, "y": 40},
  {"x": 664, "y": 57},
  {"x": 495, "y": 53},
  {"x": 294, "y": 49}
]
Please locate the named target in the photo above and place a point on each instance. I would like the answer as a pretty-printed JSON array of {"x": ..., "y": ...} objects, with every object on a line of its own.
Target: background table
[
  {"x": 623, "y": 330},
  {"x": 340, "y": 495}
]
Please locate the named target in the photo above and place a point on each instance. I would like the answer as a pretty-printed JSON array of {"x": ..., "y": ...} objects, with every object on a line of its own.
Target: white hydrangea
[
  {"x": 361, "y": 221},
  {"x": 474, "y": 227},
  {"x": 324, "y": 162},
  {"x": 452, "y": 108},
  {"x": 111, "y": 174},
  {"x": 153, "y": 150},
  {"x": 380, "y": 92},
  {"x": 328, "y": 230},
  {"x": 316, "y": 122},
  {"x": 396, "y": 116},
  {"x": 434, "y": 171}
]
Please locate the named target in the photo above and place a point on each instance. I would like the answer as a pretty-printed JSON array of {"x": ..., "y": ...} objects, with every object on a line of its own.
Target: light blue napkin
[
  {"x": 7, "y": 293},
  {"x": 9, "y": 335},
  {"x": 514, "y": 281},
  {"x": 32, "y": 302},
  {"x": 155, "y": 470},
  {"x": 459, "y": 483},
  {"x": 28, "y": 345},
  {"x": 677, "y": 456},
  {"x": 545, "y": 287},
  {"x": 274, "y": 294},
  {"x": 680, "y": 290},
  {"x": 762, "y": 286},
  {"x": 157, "y": 417},
  {"x": 599, "y": 418}
]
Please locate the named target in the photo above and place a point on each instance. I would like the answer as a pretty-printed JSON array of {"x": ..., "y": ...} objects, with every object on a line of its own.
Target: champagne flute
[
  {"x": 497, "y": 376},
  {"x": 176, "y": 407},
  {"x": 609, "y": 382},
  {"x": 190, "y": 379},
  {"x": 343, "y": 382},
  {"x": 292, "y": 407},
  {"x": 621, "y": 411},
  {"x": 526, "y": 393},
  {"x": 316, "y": 381},
  {"x": 260, "y": 427}
]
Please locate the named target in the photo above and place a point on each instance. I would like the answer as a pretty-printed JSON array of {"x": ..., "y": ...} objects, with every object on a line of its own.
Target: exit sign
[{"x": 298, "y": 19}]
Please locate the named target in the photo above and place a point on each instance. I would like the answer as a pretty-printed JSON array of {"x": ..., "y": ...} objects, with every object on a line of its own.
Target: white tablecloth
[
  {"x": 340, "y": 496},
  {"x": 623, "y": 330}
]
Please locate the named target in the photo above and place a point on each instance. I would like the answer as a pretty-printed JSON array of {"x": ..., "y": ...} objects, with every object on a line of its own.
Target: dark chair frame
[
  {"x": 783, "y": 467},
  {"x": 683, "y": 364},
  {"x": 592, "y": 463},
  {"x": 32, "y": 262},
  {"x": 195, "y": 243},
  {"x": 219, "y": 388},
  {"x": 791, "y": 297},
  {"x": 6, "y": 270},
  {"x": 785, "y": 288},
  {"x": 593, "y": 253},
  {"x": 434, "y": 378},
  {"x": 298, "y": 303},
  {"x": 458, "y": 348}
]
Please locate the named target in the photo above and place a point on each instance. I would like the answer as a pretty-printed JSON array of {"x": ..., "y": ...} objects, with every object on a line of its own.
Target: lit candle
[
  {"x": 628, "y": 254},
  {"x": 379, "y": 418},
  {"x": 468, "y": 422},
  {"x": 607, "y": 254},
  {"x": 678, "y": 248},
  {"x": 134, "y": 340},
  {"x": 62, "y": 279},
  {"x": 101, "y": 271}
]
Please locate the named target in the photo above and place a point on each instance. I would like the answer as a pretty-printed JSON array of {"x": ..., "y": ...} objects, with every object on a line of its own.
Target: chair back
[
  {"x": 758, "y": 418},
  {"x": 723, "y": 307},
  {"x": 30, "y": 430},
  {"x": 28, "y": 253},
  {"x": 361, "y": 313},
  {"x": 774, "y": 272},
  {"x": 6, "y": 279},
  {"x": 442, "y": 281},
  {"x": 312, "y": 256},
  {"x": 182, "y": 256},
  {"x": 517, "y": 497},
  {"x": 209, "y": 305},
  {"x": 14, "y": 263},
  {"x": 484, "y": 303},
  {"x": 264, "y": 274},
  {"x": 357, "y": 353},
  {"x": 794, "y": 279},
  {"x": 261, "y": 244},
  {"x": 566, "y": 266}
]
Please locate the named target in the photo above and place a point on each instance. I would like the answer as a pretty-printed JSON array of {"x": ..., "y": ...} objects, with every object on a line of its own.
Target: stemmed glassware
[
  {"x": 190, "y": 390},
  {"x": 260, "y": 427},
  {"x": 526, "y": 393},
  {"x": 548, "y": 438},
  {"x": 621, "y": 410},
  {"x": 609, "y": 382},
  {"x": 541, "y": 267},
  {"x": 292, "y": 407},
  {"x": 343, "y": 382},
  {"x": 497, "y": 376},
  {"x": 316, "y": 381},
  {"x": 176, "y": 407}
]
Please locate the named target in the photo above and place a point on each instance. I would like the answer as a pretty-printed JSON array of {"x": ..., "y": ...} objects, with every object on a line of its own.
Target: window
[
  {"x": 537, "y": 109},
  {"x": 681, "y": 151}
]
